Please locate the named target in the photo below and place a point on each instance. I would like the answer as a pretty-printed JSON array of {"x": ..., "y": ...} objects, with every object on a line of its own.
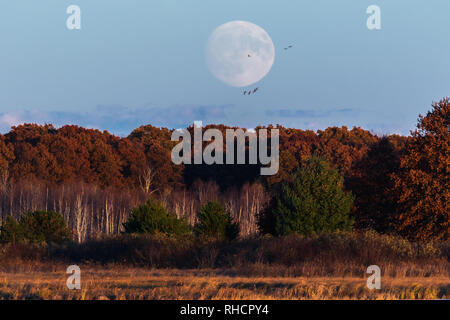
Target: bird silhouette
[
  {"x": 249, "y": 55},
  {"x": 249, "y": 92}
]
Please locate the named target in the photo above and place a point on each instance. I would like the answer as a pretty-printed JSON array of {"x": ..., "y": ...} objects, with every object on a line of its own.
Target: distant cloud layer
[
  {"x": 121, "y": 120},
  {"x": 300, "y": 113},
  {"x": 118, "y": 119}
]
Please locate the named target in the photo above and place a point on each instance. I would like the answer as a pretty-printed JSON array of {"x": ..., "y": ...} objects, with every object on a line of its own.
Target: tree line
[{"x": 398, "y": 184}]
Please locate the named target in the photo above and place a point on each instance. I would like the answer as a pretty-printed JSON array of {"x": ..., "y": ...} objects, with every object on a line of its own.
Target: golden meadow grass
[
  {"x": 118, "y": 283},
  {"x": 322, "y": 267}
]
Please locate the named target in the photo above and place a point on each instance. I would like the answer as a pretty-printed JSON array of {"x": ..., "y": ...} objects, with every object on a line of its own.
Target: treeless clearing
[{"x": 136, "y": 283}]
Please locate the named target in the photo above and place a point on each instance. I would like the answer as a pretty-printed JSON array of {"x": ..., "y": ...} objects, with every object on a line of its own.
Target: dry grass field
[
  {"x": 323, "y": 267},
  {"x": 118, "y": 283}
]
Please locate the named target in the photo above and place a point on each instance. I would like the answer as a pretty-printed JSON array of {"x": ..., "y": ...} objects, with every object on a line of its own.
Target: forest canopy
[{"x": 400, "y": 184}]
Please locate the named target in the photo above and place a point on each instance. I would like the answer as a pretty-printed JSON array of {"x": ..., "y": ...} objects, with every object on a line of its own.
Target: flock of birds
[{"x": 249, "y": 92}]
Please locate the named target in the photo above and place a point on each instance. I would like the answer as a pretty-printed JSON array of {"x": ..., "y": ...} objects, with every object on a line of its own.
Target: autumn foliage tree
[
  {"x": 371, "y": 183},
  {"x": 401, "y": 184},
  {"x": 423, "y": 181}
]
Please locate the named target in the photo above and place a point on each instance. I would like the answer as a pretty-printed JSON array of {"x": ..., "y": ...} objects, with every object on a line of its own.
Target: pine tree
[
  {"x": 215, "y": 221},
  {"x": 313, "y": 202},
  {"x": 152, "y": 218}
]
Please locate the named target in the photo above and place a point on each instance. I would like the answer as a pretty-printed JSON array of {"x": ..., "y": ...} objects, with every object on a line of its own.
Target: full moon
[{"x": 240, "y": 53}]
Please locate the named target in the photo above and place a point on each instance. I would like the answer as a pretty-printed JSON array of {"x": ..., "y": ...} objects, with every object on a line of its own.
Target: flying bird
[
  {"x": 249, "y": 55},
  {"x": 249, "y": 92}
]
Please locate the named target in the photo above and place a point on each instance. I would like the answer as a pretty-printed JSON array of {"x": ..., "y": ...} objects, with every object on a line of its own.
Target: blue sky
[{"x": 137, "y": 62}]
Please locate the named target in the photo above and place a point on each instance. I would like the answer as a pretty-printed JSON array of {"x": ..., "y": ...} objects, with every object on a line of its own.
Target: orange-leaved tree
[{"x": 423, "y": 181}]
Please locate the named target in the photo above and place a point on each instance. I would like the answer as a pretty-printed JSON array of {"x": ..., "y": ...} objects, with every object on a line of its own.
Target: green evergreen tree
[
  {"x": 44, "y": 226},
  {"x": 313, "y": 202},
  {"x": 152, "y": 217},
  {"x": 214, "y": 221},
  {"x": 11, "y": 231},
  {"x": 37, "y": 227}
]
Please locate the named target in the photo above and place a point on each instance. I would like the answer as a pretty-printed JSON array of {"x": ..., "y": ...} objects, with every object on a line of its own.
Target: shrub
[
  {"x": 11, "y": 231},
  {"x": 214, "y": 221},
  {"x": 314, "y": 202},
  {"x": 152, "y": 218},
  {"x": 37, "y": 227},
  {"x": 331, "y": 254},
  {"x": 44, "y": 226}
]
